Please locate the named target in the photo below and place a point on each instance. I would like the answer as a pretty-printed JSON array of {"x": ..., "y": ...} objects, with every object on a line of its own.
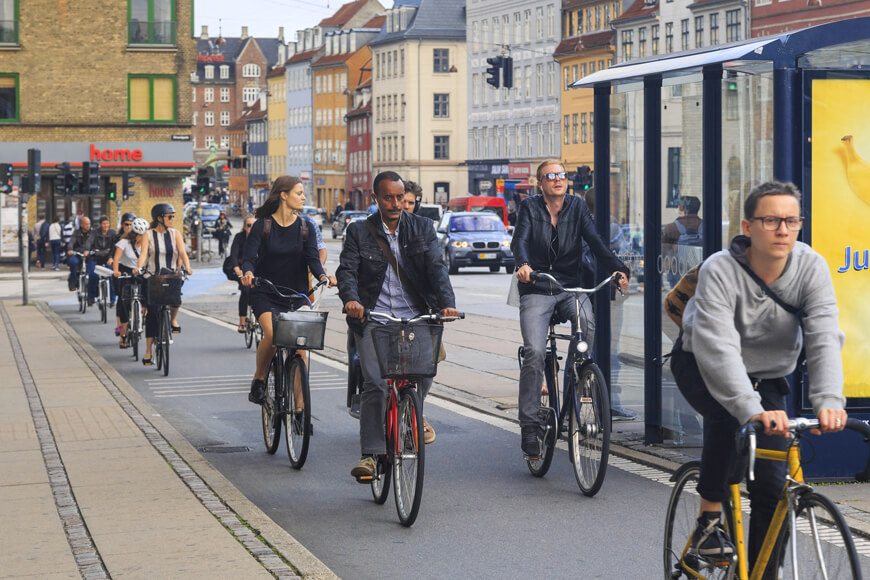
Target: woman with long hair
[
  {"x": 236, "y": 254},
  {"x": 284, "y": 256},
  {"x": 127, "y": 252},
  {"x": 222, "y": 229}
]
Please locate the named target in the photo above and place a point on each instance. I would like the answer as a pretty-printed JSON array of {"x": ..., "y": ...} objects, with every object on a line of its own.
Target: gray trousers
[
  {"x": 535, "y": 313},
  {"x": 373, "y": 400}
]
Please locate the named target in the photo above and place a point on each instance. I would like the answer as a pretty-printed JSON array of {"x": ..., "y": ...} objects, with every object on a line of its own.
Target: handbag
[{"x": 229, "y": 268}]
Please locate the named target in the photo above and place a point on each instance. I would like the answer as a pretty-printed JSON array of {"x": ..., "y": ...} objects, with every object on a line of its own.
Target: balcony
[
  {"x": 154, "y": 33},
  {"x": 8, "y": 32}
]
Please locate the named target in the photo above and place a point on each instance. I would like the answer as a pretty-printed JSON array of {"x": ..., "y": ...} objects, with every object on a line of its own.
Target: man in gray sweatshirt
[{"x": 738, "y": 346}]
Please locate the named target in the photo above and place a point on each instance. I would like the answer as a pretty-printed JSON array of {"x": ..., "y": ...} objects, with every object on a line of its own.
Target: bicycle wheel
[
  {"x": 271, "y": 408},
  {"x": 821, "y": 544},
  {"x": 166, "y": 332},
  {"x": 249, "y": 330},
  {"x": 133, "y": 329},
  {"x": 104, "y": 301},
  {"x": 680, "y": 521},
  {"x": 297, "y": 419},
  {"x": 83, "y": 295},
  {"x": 589, "y": 428},
  {"x": 409, "y": 459},
  {"x": 381, "y": 480},
  {"x": 157, "y": 344},
  {"x": 548, "y": 432}
]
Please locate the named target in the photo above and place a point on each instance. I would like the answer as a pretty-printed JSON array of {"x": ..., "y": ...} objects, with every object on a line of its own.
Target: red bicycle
[{"x": 407, "y": 351}]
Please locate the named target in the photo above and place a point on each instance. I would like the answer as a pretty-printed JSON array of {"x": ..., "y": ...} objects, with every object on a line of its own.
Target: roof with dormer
[
  {"x": 576, "y": 44},
  {"x": 343, "y": 15},
  {"x": 434, "y": 19},
  {"x": 640, "y": 9}
]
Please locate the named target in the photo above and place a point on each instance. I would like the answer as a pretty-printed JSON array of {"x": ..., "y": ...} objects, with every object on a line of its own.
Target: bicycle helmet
[
  {"x": 161, "y": 209},
  {"x": 140, "y": 226},
  {"x": 128, "y": 217}
]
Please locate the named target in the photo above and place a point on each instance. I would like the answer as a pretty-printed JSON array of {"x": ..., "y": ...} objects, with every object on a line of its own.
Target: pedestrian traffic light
[
  {"x": 5, "y": 178},
  {"x": 583, "y": 179},
  {"x": 508, "y": 76},
  {"x": 90, "y": 178},
  {"x": 112, "y": 192},
  {"x": 127, "y": 186},
  {"x": 493, "y": 73}
]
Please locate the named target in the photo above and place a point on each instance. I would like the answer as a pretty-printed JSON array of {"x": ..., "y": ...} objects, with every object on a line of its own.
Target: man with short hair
[
  {"x": 738, "y": 346},
  {"x": 366, "y": 280},
  {"x": 549, "y": 238},
  {"x": 81, "y": 241},
  {"x": 413, "y": 196},
  {"x": 102, "y": 252}
]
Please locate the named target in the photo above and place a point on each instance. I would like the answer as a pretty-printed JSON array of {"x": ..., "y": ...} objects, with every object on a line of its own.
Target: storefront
[
  {"x": 155, "y": 170},
  {"x": 711, "y": 124}
]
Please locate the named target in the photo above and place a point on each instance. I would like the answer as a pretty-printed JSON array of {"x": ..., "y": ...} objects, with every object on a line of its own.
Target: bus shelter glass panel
[
  {"x": 747, "y": 140},
  {"x": 626, "y": 210},
  {"x": 682, "y": 233}
]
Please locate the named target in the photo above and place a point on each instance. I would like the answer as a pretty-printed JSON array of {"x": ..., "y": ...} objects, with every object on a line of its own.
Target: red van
[{"x": 489, "y": 203}]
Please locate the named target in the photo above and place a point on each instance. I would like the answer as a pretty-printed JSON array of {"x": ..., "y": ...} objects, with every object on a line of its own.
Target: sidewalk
[
  {"x": 93, "y": 484},
  {"x": 481, "y": 372}
]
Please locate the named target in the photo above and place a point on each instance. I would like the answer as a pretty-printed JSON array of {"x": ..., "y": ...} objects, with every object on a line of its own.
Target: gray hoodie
[{"x": 735, "y": 329}]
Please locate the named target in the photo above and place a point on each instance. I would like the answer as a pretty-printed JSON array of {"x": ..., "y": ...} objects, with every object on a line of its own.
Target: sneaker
[
  {"x": 622, "y": 414},
  {"x": 711, "y": 540},
  {"x": 72, "y": 284},
  {"x": 530, "y": 444},
  {"x": 258, "y": 392},
  {"x": 365, "y": 469},
  {"x": 428, "y": 431}
]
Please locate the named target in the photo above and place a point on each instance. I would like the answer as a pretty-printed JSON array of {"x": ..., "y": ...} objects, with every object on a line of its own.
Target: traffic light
[
  {"x": 71, "y": 183},
  {"x": 34, "y": 170},
  {"x": 91, "y": 178},
  {"x": 5, "y": 177},
  {"x": 112, "y": 192},
  {"x": 493, "y": 73},
  {"x": 66, "y": 180},
  {"x": 204, "y": 182},
  {"x": 127, "y": 186},
  {"x": 508, "y": 76},
  {"x": 583, "y": 179}
]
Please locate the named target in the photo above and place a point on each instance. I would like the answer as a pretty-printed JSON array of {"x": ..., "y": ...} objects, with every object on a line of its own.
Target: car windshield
[
  {"x": 429, "y": 212},
  {"x": 481, "y": 223},
  {"x": 489, "y": 208},
  {"x": 211, "y": 211}
]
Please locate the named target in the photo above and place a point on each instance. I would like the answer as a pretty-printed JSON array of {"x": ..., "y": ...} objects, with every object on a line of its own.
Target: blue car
[{"x": 475, "y": 239}]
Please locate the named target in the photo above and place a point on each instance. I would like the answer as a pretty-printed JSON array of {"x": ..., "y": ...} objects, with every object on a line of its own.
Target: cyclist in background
[
  {"x": 164, "y": 252},
  {"x": 236, "y": 254},
  {"x": 278, "y": 250},
  {"x": 127, "y": 252},
  {"x": 80, "y": 241},
  {"x": 125, "y": 225},
  {"x": 367, "y": 280},
  {"x": 738, "y": 346},
  {"x": 549, "y": 237},
  {"x": 102, "y": 251}
]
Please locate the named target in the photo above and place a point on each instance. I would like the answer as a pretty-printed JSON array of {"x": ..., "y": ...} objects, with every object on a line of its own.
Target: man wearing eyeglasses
[
  {"x": 549, "y": 236},
  {"x": 738, "y": 345}
]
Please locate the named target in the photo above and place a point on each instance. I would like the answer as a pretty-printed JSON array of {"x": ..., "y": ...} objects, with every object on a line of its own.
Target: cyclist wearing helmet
[
  {"x": 127, "y": 252},
  {"x": 163, "y": 249},
  {"x": 123, "y": 228}
]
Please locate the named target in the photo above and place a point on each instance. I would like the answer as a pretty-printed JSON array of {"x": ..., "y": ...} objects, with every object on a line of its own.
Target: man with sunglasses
[
  {"x": 739, "y": 344},
  {"x": 549, "y": 236}
]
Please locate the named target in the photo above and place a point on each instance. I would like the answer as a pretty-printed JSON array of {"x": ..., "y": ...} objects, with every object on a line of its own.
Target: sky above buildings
[{"x": 263, "y": 17}]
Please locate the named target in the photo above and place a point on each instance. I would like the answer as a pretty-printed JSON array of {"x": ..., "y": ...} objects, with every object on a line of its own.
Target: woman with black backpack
[{"x": 233, "y": 268}]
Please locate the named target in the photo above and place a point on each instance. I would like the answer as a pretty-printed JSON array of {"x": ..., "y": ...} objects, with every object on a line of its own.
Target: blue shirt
[
  {"x": 392, "y": 298},
  {"x": 316, "y": 229}
]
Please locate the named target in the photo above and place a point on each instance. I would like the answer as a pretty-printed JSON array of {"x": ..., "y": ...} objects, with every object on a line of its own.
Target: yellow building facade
[{"x": 276, "y": 123}]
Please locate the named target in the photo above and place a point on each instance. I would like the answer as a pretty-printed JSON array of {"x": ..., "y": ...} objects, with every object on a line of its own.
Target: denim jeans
[
  {"x": 535, "y": 313},
  {"x": 55, "y": 253}
]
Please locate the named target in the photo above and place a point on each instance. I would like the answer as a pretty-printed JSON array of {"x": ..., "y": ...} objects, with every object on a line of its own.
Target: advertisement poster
[
  {"x": 841, "y": 212},
  {"x": 8, "y": 225}
]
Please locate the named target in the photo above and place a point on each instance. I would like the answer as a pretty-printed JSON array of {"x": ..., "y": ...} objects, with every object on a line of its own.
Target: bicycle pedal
[
  {"x": 364, "y": 479},
  {"x": 530, "y": 458}
]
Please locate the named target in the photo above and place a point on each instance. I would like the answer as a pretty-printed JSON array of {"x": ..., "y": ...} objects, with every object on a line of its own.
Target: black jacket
[
  {"x": 81, "y": 241},
  {"x": 363, "y": 266},
  {"x": 531, "y": 243},
  {"x": 103, "y": 246}
]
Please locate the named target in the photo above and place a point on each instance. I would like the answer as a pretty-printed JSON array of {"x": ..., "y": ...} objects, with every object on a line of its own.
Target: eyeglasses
[
  {"x": 169, "y": 216},
  {"x": 127, "y": 224},
  {"x": 771, "y": 223},
  {"x": 248, "y": 226},
  {"x": 553, "y": 176}
]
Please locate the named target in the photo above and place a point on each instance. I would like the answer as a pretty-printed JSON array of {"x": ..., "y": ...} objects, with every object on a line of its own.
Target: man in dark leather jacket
[
  {"x": 366, "y": 281},
  {"x": 81, "y": 241},
  {"x": 549, "y": 236}
]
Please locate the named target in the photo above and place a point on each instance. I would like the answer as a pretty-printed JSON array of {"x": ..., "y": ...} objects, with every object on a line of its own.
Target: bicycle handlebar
[
  {"x": 437, "y": 317},
  {"x": 260, "y": 281},
  {"x": 545, "y": 277},
  {"x": 746, "y": 435}
]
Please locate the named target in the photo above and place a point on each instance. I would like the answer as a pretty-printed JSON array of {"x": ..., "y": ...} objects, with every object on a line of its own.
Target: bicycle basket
[
  {"x": 407, "y": 350},
  {"x": 299, "y": 329},
  {"x": 165, "y": 289}
]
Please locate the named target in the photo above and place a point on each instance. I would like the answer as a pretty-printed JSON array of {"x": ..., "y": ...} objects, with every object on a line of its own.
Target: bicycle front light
[{"x": 582, "y": 346}]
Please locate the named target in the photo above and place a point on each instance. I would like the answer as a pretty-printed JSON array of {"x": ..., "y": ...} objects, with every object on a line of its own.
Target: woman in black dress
[{"x": 283, "y": 256}]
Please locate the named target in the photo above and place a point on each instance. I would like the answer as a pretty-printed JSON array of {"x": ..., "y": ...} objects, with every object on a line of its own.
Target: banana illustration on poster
[{"x": 841, "y": 212}]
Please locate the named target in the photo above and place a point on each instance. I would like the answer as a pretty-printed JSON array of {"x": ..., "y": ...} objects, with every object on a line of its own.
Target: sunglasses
[
  {"x": 249, "y": 226},
  {"x": 552, "y": 176},
  {"x": 170, "y": 216},
  {"x": 127, "y": 224}
]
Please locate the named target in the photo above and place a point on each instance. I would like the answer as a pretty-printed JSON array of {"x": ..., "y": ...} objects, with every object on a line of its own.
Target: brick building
[
  {"x": 359, "y": 145},
  {"x": 110, "y": 86},
  {"x": 778, "y": 16}
]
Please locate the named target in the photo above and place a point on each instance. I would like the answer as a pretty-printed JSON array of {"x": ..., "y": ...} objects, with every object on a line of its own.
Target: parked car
[
  {"x": 314, "y": 213},
  {"x": 210, "y": 214},
  {"x": 339, "y": 223},
  {"x": 432, "y": 211},
  {"x": 475, "y": 239}
]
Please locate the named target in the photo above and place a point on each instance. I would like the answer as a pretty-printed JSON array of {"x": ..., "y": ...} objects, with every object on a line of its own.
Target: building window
[
  {"x": 627, "y": 42},
  {"x": 551, "y": 78},
  {"x": 225, "y": 94},
  {"x": 527, "y": 26},
  {"x": 574, "y": 128},
  {"x": 714, "y": 29},
  {"x": 249, "y": 94},
  {"x": 442, "y": 105},
  {"x": 209, "y": 118},
  {"x": 251, "y": 70},
  {"x": 583, "y": 134},
  {"x": 225, "y": 71},
  {"x": 655, "y": 38},
  {"x": 225, "y": 118},
  {"x": 539, "y": 80},
  {"x": 151, "y": 22},
  {"x": 209, "y": 72},
  {"x": 209, "y": 95},
  {"x": 442, "y": 147},
  {"x": 567, "y": 77},
  {"x": 641, "y": 42},
  {"x": 225, "y": 141},
  {"x": 539, "y": 23},
  {"x": 607, "y": 16},
  {"x": 151, "y": 98},
  {"x": 209, "y": 141},
  {"x": 732, "y": 25},
  {"x": 527, "y": 82},
  {"x": 699, "y": 31},
  {"x": 684, "y": 34},
  {"x": 9, "y": 98},
  {"x": 669, "y": 37},
  {"x": 440, "y": 60}
]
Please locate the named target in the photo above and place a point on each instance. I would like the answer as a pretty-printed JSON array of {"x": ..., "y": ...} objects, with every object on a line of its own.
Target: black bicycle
[
  {"x": 288, "y": 396},
  {"x": 164, "y": 290},
  {"x": 136, "y": 321},
  {"x": 103, "y": 292},
  {"x": 585, "y": 406}
]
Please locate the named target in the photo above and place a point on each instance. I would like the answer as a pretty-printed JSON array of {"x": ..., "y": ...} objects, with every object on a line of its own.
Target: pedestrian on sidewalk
[
  {"x": 390, "y": 262},
  {"x": 55, "y": 239}
]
